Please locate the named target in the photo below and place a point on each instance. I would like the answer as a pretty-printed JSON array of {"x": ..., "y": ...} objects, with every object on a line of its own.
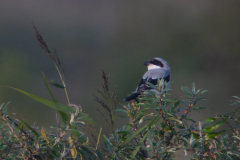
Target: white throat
[{"x": 152, "y": 66}]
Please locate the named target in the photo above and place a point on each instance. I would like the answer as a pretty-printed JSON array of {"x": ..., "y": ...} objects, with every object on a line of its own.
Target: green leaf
[
  {"x": 48, "y": 89},
  {"x": 123, "y": 132},
  {"x": 73, "y": 129},
  {"x": 121, "y": 116},
  {"x": 187, "y": 92},
  {"x": 192, "y": 139},
  {"x": 86, "y": 118},
  {"x": 121, "y": 110},
  {"x": 199, "y": 108},
  {"x": 210, "y": 119},
  {"x": 236, "y": 137},
  {"x": 20, "y": 125},
  {"x": 175, "y": 119},
  {"x": 236, "y": 97},
  {"x": 108, "y": 144},
  {"x": 128, "y": 126},
  {"x": 99, "y": 135},
  {"x": 54, "y": 105},
  {"x": 142, "y": 104},
  {"x": 136, "y": 149},
  {"x": 204, "y": 91},
  {"x": 190, "y": 119},
  {"x": 63, "y": 115},
  {"x": 195, "y": 135},
  {"x": 151, "y": 85},
  {"x": 215, "y": 126},
  {"x": 180, "y": 126},
  {"x": 33, "y": 130},
  {"x": 154, "y": 121},
  {"x": 56, "y": 84},
  {"x": 130, "y": 138},
  {"x": 174, "y": 106},
  {"x": 141, "y": 119},
  {"x": 193, "y": 88},
  {"x": 212, "y": 135}
]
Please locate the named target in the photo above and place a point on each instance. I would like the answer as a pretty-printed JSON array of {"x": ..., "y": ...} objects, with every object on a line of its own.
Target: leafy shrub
[{"x": 157, "y": 127}]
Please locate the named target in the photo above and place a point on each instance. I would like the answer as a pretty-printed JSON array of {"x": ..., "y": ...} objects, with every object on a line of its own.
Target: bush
[{"x": 157, "y": 127}]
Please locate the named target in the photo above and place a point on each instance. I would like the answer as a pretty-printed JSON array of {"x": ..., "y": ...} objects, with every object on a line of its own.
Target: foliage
[{"x": 156, "y": 127}]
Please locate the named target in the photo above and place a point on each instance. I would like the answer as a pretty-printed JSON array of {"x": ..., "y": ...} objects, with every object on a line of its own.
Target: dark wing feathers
[
  {"x": 167, "y": 79},
  {"x": 144, "y": 86}
]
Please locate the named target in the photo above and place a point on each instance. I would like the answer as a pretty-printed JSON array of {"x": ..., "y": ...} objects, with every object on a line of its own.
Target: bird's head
[{"x": 157, "y": 63}]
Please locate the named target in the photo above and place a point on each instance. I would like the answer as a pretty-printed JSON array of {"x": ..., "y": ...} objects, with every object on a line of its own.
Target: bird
[{"x": 158, "y": 68}]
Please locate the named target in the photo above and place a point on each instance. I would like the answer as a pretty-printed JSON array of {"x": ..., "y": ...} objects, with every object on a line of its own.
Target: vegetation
[{"x": 157, "y": 127}]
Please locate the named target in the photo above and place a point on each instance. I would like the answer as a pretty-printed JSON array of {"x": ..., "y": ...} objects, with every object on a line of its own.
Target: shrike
[{"x": 157, "y": 68}]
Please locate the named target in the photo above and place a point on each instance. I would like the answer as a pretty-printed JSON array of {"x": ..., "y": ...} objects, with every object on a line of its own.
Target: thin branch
[
  {"x": 69, "y": 149},
  {"x": 104, "y": 117},
  {"x": 12, "y": 131},
  {"x": 58, "y": 125},
  {"x": 61, "y": 135},
  {"x": 201, "y": 139}
]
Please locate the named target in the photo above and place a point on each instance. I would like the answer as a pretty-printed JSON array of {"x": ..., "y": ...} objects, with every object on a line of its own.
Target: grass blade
[
  {"x": 54, "y": 105},
  {"x": 129, "y": 139},
  {"x": 56, "y": 84},
  {"x": 63, "y": 115},
  {"x": 136, "y": 149}
]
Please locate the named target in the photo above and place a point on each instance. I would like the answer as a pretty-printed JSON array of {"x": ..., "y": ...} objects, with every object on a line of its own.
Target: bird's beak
[{"x": 146, "y": 63}]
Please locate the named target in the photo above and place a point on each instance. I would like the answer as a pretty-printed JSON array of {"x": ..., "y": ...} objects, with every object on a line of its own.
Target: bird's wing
[
  {"x": 152, "y": 77},
  {"x": 156, "y": 73}
]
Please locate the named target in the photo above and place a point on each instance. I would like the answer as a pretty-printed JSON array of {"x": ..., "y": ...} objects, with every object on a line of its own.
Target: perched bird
[{"x": 157, "y": 68}]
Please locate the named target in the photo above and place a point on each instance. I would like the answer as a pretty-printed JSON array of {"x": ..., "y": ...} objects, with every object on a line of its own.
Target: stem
[
  {"x": 155, "y": 154},
  {"x": 98, "y": 138},
  {"x": 61, "y": 135},
  {"x": 190, "y": 104},
  {"x": 161, "y": 111},
  {"x": 201, "y": 139},
  {"x": 135, "y": 128},
  {"x": 58, "y": 125},
  {"x": 12, "y": 131},
  {"x": 111, "y": 112},
  {"x": 59, "y": 73}
]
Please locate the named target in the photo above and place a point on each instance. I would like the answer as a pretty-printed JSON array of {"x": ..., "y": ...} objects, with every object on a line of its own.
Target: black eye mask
[{"x": 156, "y": 62}]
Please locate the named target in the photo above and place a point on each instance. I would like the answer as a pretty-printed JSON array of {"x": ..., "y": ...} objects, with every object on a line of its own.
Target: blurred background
[{"x": 200, "y": 39}]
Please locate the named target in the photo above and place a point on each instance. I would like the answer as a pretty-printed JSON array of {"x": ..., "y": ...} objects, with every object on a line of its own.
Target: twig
[
  {"x": 90, "y": 133},
  {"x": 101, "y": 93},
  {"x": 61, "y": 135},
  {"x": 156, "y": 155},
  {"x": 12, "y": 131},
  {"x": 135, "y": 128},
  {"x": 17, "y": 126},
  {"x": 190, "y": 104},
  {"x": 102, "y": 103},
  {"x": 201, "y": 139},
  {"x": 104, "y": 117},
  {"x": 65, "y": 154},
  {"x": 58, "y": 126}
]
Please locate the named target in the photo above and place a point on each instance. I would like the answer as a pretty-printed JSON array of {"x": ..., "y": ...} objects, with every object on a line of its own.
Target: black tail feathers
[{"x": 133, "y": 96}]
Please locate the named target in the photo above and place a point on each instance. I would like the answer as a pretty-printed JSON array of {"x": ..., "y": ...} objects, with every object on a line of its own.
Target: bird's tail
[{"x": 133, "y": 96}]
